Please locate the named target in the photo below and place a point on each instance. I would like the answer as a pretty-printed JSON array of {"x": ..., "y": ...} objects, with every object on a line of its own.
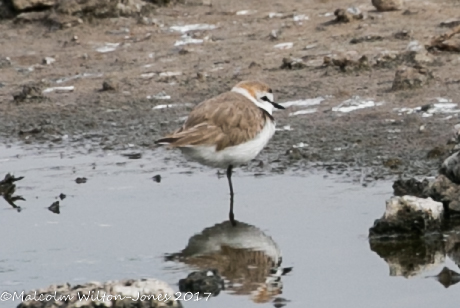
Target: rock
[
  {"x": 411, "y": 77},
  {"x": 48, "y": 60},
  {"x": 436, "y": 152},
  {"x": 409, "y": 216},
  {"x": 450, "y": 23},
  {"x": 109, "y": 85},
  {"x": 293, "y": 64},
  {"x": 104, "y": 8},
  {"x": 387, "y": 5},
  {"x": 207, "y": 281},
  {"x": 402, "y": 35},
  {"x": 387, "y": 59},
  {"x": 5, "y": 62},
  {"x": 411, "y": 187},
  {"x": 120, "y": 293},
  {"x": 21, "y": 5},
  {"x": 54, "y": 207},
  {"x": 445, "y": 191},
  {"x": 392, "y": 163},
  {"x": 80, "y": 180},
  {"x": 367, "y": 38},
  {"x": 348, "y": 62},
  {"x": 157, "y": 178},
  {"x": 451, "y": 168},
  {"x": 274, "y": 35},
  {"x": 31, "y": 91},
  {"x": 348, "y": 15},
  {"x": 447, "y": 42}
]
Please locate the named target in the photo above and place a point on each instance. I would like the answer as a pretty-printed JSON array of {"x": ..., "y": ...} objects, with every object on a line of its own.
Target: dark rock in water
[
  {"x": 54, "y": 207},
  {"x": 80, "y": 180},
  {"x": 207, "y": 281},
  {"x": 62, "y": 196},
  {"x": 8, "y": 188},
  {"x": 451, "y": 168},
  {"x": 411, "y": 187},
  {"x": 133, "y": 155},
  {"x": 142, "y": 293},
  {"x": 408, "y": 257},
  {"x": 448, "y": 277},
  {"x": 445, "y": 191},
  {"x": 157, "y": 178},
  {"x": 408, "y": 216}
]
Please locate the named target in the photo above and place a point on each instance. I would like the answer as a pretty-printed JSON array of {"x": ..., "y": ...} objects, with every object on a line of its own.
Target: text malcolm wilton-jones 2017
[{"x": 98, "y": 296}]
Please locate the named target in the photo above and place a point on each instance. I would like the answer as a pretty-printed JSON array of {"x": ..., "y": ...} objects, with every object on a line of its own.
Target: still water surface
[{"x": 121, "y": 224}]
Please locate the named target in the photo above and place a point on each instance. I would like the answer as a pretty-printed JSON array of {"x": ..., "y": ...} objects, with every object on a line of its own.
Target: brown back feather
[{"x": 225, "y": 120}]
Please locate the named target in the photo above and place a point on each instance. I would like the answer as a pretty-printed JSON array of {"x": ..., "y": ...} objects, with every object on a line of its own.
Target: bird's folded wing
[{"x": 226, "y": 120}]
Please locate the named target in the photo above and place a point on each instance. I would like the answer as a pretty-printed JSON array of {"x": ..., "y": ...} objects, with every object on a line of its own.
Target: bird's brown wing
[{"x": 225, "y": 120}]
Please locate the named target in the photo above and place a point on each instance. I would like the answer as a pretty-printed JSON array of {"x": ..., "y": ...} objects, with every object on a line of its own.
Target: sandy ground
[{"x": 366, "y": 144}]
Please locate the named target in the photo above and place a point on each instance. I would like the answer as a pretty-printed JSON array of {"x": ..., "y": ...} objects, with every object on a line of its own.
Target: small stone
[
  {"x": 450, "y": 23},
  {"x": 54, "y": 207},
  {"x": 21, "y": 5},
  {"x": 157, "y": 178},
  {"x": 411, "y": 78},
  {"x": 62, "y": 196},
  {"x": 80, "y": 180},
  {"x": 408, "y": 216},
  {"x": 48, "y": 60},
  {"x": 387, "y": 5},
  {"x": 347, "y": 16},
  {"x": 392, "y": 163},
  {"x": 109, "y": 85},
  {"x": 274, "y": 35},
  {"x": 292, "y": 64}
]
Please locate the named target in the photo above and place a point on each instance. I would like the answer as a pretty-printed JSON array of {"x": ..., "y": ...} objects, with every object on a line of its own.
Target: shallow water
[{"x": 120, "y": 224}]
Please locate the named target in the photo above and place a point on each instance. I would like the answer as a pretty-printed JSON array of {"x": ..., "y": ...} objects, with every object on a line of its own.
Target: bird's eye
[{"x": 264, "y": 98}]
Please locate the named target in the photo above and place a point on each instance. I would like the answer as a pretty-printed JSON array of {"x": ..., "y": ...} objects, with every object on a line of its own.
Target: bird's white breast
[{"x": 234, "y": 155}]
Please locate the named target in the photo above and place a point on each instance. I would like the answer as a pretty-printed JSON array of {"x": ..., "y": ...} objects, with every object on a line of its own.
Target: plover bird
[{"x": 228, "y": 130}]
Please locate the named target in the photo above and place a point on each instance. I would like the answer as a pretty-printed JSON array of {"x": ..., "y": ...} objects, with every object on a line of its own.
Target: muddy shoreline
[{"x": 112, "y": 105}]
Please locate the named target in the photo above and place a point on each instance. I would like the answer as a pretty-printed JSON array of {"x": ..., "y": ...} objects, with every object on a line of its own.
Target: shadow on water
[{"x": 249, "y": 259}]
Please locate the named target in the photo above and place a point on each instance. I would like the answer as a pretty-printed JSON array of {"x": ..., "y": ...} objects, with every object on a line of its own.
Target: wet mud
[{"x": 120, "y": 83}]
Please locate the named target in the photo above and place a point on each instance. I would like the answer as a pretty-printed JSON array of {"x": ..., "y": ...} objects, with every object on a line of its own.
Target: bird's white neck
[{"x": 264, "y": 105}]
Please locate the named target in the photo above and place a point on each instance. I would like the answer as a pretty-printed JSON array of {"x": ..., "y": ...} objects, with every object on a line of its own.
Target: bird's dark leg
[{"x": 229, "y": 177}]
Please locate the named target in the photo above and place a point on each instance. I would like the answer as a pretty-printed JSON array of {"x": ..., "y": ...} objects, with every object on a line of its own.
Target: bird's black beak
[{"x": 266, "y": 99}]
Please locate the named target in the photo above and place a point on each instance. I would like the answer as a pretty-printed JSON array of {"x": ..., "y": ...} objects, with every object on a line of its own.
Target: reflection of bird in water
[
  {"x": 248, "y": 258},
  {"x": 228, "y": 130}
]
